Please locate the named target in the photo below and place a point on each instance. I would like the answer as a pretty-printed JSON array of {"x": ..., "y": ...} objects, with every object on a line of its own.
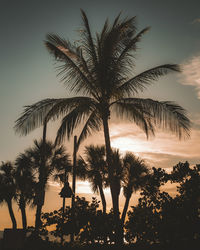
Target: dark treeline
[{"x": 157, "y": 219}]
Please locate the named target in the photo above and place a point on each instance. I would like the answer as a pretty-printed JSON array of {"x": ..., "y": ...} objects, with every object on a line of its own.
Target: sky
[{"x": 27, "y": 73}]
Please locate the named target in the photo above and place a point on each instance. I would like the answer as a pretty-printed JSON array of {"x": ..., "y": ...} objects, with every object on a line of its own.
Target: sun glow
[{"x": 127, "y": 144}]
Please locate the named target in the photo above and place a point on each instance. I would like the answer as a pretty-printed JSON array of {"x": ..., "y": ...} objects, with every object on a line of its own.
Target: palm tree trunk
[
  {"x": 114, "y": 187},
  {"x": 73, "y": 186},
  {"x": 125, "y": 208},
  {"x": 41, "y": 191},
  {"x": 24, "y": 220},
  {"x": 38, "y": 217},
  {"x": 22, "y": 206},
  {"x": 103, "y": 200},
  {"x": 40, "y": 203},
  {"x": 12, "y": 216}
]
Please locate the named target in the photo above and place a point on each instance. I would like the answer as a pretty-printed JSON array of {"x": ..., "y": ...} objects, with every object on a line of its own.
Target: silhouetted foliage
[
  {"x": 160, "y": 218},
  {"x": 91, "y": 225},
  {"x": 8, "y": 188}
]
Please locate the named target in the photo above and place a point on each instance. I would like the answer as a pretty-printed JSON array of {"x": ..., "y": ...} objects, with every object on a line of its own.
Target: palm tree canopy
[
  {"x": 93, "y": 167},
  {"x": 25, "y": 178},
  {"x": 7, "y": 186},
  {"x": 56, "y": 160},
  {"x": 134, "y": 173},
  {"x": 99, "y": 71}
]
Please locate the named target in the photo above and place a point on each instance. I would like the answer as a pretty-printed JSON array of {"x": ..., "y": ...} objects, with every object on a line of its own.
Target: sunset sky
[{"x": 27, "y": 74}]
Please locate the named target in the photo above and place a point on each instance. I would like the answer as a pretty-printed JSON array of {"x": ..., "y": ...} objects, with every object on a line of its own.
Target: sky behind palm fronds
[{"x": 28, "y": 74}]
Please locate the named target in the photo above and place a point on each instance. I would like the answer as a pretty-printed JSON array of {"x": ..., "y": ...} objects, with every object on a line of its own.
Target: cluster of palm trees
[
  {"x": 98, "y": 70},
  {"x": 25, "y": 181}
]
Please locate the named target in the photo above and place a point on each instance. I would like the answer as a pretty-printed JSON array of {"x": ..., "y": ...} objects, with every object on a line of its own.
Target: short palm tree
[
  {"x": 99, "y": 71},
  {"x": 25, "y": 183},
  {"x": 134, "y": 172},
  {"x": 55, "y": 161},
  {"x": 94, "y": 169},
  {"x": 8, "y": 188}
]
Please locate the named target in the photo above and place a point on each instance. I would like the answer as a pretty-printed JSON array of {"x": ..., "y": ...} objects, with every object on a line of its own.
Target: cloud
[
  {"x": 191, "y": 73},
  {"x": 165, "y": 150},
  {"x": 197, "y": 20}
]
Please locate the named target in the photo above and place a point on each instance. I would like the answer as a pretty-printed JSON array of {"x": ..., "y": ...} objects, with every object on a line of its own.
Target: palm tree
[
  {"x": 8, "y": 189},
  {"x": 55, "y": 161},
  {"x": 100, "y": 72},
  {"x": 134, "y": 172},
  {"x": 25, "y": 182},
  {"x": 94, "y": 169}
]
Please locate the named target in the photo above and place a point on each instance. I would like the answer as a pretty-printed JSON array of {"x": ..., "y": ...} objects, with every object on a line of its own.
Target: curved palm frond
[
  {"x": 74, "y": 71},
  {"x": 93, "y": 124},
  {"x": 65, "y": 105},
  {"x": 166, "y": 115},
  {"x": 137, "y": 113},
  {"x": 33, "y": 116},
  {"x": 141, "y": 81},
  {"x": 88, "y": 42},
  {"x": 131, "y": 46},
  {"x": 73, "y": 119}
]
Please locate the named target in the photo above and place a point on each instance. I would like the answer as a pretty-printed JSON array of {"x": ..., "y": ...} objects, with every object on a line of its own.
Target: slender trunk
[
  {"x": 38, "y": 218},
  {"x": 114, "y": 187},
  {"x": 63, "y": 210},
  {"x": 12, "y": 216},
  {"x": 103, "y": 200},
  {"x": 125, "y": 208},
  {"x": 41, "y": 190},
  {"x": 24, "y": 220},
  {"x": 22, "y": 206},
  {"x": 73, "y": 185}
]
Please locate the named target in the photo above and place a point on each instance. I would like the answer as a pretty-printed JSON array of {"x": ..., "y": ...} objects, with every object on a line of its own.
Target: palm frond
[
  {"x": 74, "y": 70},
  {"x": 131, "y": 46},
  {"x": 73, "y": 119},
  {"x": 65, "y": 105},
  {"x": 137, "y": 113},
  {"x": 33, "y": 116},
  {"x": 166, "y": 115},
  {"x": 141, "y": 81},
  {"x": 87, "y": 36},
  {"x": 92, "y": 124}
]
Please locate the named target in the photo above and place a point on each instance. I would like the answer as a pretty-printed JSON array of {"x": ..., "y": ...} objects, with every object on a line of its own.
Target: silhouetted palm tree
[
  {"x": 25, "y": 183},
  {"x": 134, "y": 172},
  {"x": 94, "y": 169},
  {"x": 8, "y": 188},
  {"x": 55, "y": 161},
  {"x": 100, "y": 70}
]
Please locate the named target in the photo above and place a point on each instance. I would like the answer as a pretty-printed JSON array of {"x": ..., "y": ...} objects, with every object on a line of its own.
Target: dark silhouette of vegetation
[
  {"x": 94, "y": 169},
  {"x": 56, "y": 160},
  {"x": 101, "y": 70},
  {"x": 160, "y": 218},
  {"x": 8, "y": 188},
  {"x": 25, "y": 180},
  {"x": 158, "y": 221},
  {"x": 134, "y": 178}
]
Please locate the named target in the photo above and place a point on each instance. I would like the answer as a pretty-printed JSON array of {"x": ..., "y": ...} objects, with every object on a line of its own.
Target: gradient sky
[{"x": 27, "y": 71}]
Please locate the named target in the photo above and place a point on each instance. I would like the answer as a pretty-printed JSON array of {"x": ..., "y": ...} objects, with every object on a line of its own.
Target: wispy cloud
[
  {"x": 165, "y": 150},
  {"x": 191, "y": 73},
  {"x": 196, "y": 20}
]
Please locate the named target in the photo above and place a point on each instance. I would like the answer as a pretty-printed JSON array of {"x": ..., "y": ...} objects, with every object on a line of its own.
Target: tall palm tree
[
  {"x": 134, "y": 172},
  {"x": 55, "y": 161},
  {"x": 8, "y": 189},
  {"x": 94, "y": 169},
  {"x": 99, "y": 70},
  {"x": 25, "y": 183}
]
